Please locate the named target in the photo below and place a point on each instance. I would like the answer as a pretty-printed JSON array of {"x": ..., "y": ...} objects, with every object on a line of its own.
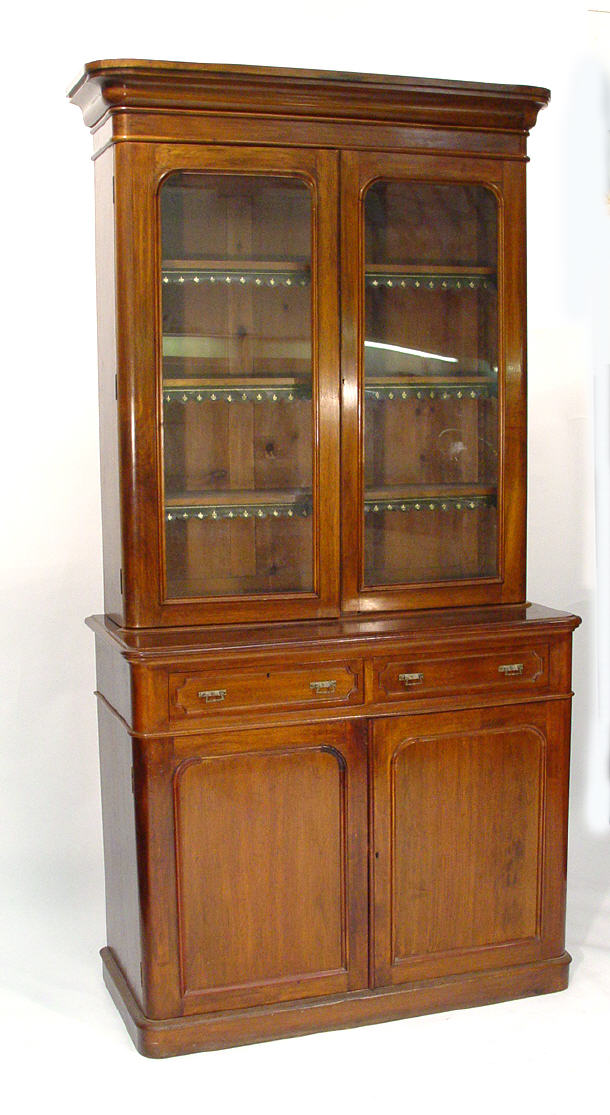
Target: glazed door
[
  {"x": 470, "y": 816},
  {"x": 433, "y": 408},
  {"x": 271, "y": 866},
  {"x": 240, "y": 468}
]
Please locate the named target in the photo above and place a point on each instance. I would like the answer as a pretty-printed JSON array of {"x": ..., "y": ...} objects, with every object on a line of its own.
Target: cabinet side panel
[
  {"x": 120, "y": 853},
  {"x": 556, "y": 827},
  {"x": 113, "y": 677},
  {"x": 107, "y": 365}
]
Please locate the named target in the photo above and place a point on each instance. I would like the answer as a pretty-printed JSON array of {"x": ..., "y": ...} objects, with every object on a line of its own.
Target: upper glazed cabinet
[{"x": 318, "y": 347}]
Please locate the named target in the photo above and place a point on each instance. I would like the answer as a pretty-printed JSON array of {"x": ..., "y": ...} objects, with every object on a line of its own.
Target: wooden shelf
[
  {"x": 430, "y": 497},
  {"x": 236, "y": 389},
  {"x": 456, "y": 270},
  {"x": 203, "y": 347},
  {"x": 267, "y": 273},
  {"x": 430, "y": 277},
  {"x": 286, "y": 266},
  {"x": 238, "y": 504}
]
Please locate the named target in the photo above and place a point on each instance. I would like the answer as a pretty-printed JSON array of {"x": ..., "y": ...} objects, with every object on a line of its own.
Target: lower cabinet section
[{"x": 264, "y": 881}]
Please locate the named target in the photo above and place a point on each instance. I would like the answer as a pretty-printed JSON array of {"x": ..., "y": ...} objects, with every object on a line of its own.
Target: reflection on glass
[
  {"x": 430, "y": 360},
  {"x": 237, "y": 385}
]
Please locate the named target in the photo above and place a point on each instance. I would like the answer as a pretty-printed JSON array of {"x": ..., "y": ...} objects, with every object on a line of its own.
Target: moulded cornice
[{"x": 118, "y": 86}]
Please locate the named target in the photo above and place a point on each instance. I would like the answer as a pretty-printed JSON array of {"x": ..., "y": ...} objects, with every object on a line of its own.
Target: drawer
[
  {"x": 513, "y": 668},
  {"x": 232, "y": 689}
]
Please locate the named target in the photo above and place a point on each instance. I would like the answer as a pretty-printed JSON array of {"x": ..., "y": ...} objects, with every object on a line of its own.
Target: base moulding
[{"x": 194, "y": 1033}]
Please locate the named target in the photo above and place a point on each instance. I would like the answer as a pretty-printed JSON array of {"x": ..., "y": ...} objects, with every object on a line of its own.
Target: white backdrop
[{"x": 62, "y": 1038}]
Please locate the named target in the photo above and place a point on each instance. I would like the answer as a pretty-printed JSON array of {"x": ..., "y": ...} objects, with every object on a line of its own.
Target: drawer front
[
  {"x": 230, "y": 690},
  {"x": 514, "y": 668}
]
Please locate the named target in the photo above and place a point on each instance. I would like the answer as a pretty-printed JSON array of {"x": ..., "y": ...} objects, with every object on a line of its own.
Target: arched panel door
[
  {"x": 271, "y": 839},
  {"x": 469, "y": 817}
]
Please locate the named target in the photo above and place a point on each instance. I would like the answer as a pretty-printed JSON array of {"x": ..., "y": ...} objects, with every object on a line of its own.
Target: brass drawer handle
[
  {"x": 211, "y": 695},
  {"x": 513, "y": 669},
  {"x": 323, "y": 686},
  {"x": 411, "y": 679}
]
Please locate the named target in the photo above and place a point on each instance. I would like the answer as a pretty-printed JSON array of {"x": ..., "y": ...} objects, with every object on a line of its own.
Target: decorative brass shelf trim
[
  {"x": 442, "y": 503},
  {"x": 394, "y": 389},
  {"x": 236, "y": 277},
  {"x": 240, "y": 393},
  {"x": 424, "y": 281},
  {"x": 398, "y": 390},
  {"x": 300, "y": 509}
]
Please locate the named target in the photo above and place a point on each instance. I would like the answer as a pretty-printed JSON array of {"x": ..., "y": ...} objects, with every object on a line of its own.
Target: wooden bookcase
[{"x": 334, "y": 735}]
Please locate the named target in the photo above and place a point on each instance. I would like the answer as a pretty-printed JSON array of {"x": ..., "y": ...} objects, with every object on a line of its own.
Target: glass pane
[
  {"x": 431, "y": 383},
  {"x": 237, "y": 385}
]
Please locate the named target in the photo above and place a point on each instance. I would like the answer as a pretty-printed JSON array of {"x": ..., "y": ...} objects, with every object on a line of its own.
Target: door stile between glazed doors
[
  {"x": 514, "y": 340},
  {"x": 495, "y": 494},
  {"x": 146, "y": 396}
]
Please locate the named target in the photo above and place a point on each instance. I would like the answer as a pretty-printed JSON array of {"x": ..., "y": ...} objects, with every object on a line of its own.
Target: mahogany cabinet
[{"x": 334, "y": 736}]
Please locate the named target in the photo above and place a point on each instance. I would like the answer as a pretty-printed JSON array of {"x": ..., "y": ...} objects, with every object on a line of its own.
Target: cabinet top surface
[
  {"x": 144, "y": 67},
  {"x": 435, "y": 625},
  {"x": 112, "y": 84}
]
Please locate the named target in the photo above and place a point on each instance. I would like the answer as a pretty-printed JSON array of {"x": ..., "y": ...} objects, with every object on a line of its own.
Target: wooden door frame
[
  {"x": 507, "y": 181},
  {"x": 140, "y": 169}
]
